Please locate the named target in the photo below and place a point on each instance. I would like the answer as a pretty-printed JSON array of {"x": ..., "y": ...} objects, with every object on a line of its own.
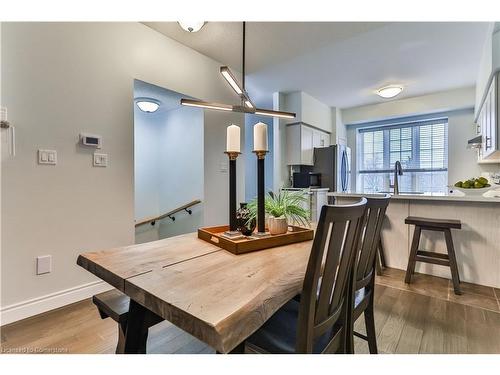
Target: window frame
[{"x": 415, "y": 125}]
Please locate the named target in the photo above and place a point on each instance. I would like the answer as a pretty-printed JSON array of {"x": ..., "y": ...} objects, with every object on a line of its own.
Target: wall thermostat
[{"x": 91, "y": 140}]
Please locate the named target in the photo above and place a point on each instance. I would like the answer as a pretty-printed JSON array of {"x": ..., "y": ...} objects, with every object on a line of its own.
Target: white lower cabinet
[
  {"x": 319, "y": 199},
  {"x": 314, "y": 200}
]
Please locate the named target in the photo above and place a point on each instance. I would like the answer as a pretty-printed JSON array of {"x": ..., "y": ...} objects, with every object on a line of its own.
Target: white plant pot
[{"x": 277, "y": 225}]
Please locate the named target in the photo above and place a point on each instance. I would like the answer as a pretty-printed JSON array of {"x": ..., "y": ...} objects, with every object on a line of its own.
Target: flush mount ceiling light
[
  {"x": 388, "y": 92},
  {"x": 246, "y": 105},
  {"x": 191, "y": 26},
  {"x": 147, "y": 104}
]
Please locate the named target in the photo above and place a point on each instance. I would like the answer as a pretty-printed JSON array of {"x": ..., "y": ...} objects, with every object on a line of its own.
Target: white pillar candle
[
  {"x": 260, "y": 137},
  {"x": 233, "y": 139}
]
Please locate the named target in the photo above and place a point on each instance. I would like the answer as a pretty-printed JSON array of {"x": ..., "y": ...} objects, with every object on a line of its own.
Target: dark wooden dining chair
[
  {"x": 365, "y": 269},
  {"x": 318, "y": 323}
]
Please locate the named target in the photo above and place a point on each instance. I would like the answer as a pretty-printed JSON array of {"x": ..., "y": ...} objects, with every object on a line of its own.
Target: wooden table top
[
  {"x": 116, "y": 265},
  {"x": 216, "y": 296}
]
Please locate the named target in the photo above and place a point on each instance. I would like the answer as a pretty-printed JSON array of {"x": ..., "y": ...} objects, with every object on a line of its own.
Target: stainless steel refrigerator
[{"x": 334, "y": 164}]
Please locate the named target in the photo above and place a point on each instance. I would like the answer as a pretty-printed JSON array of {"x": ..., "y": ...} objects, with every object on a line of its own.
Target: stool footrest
[
  {"x": 360, "y": 335},
  {"x": 440, "y": 262},
  {"x": 431, "y": 254}
]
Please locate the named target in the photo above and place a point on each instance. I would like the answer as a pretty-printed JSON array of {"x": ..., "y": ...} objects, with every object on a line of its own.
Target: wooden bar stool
[
  {"x": 449, "y": 260},
  {"x": 380, "y": 261}
]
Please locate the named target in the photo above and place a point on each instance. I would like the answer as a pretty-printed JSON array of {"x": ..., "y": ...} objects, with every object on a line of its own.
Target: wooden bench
[{"x": 115, "y": 305}]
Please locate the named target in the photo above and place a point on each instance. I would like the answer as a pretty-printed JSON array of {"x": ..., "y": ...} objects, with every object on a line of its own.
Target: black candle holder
[
  {"x": 261, "y": 212},
  {"x": 233, "y": 227}
]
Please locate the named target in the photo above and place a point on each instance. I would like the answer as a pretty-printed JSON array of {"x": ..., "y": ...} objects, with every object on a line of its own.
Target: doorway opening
[{"x": 168, "y": 163}]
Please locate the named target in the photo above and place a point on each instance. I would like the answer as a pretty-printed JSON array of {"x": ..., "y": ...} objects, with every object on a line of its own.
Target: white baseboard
[{"x": 35, "y": 306}]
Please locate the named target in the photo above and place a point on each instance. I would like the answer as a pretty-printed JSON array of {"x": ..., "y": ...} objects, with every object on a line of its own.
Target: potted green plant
[{"x": 282, "y": 208}]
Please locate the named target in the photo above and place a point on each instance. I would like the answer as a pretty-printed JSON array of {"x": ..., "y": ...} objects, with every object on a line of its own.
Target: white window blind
[{"x": 420, "y": 146}]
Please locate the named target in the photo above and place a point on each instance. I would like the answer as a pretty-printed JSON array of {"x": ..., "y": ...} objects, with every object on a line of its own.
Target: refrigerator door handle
[
  {"x": 347, "y": 168},
  {"x": 342, "y": 171},
  {"x": 346, "y": 171}
]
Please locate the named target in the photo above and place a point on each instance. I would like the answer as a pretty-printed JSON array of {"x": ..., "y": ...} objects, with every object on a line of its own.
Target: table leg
[
  {"x": 138, "y": 322},
  {"x": 136, "y": 334},
  {"x": 239, "y": 349}
]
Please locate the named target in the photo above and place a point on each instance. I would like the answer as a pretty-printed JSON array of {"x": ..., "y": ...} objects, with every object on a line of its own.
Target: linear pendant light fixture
[{"x": 246, "y": 105}]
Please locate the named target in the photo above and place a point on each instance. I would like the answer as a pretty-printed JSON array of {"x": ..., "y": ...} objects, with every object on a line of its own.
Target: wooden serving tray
[{"x": 246, "y": 244}]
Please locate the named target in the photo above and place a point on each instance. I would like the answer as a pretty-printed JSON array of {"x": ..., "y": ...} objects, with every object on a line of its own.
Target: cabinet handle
[{"x": 488, "y": 143}]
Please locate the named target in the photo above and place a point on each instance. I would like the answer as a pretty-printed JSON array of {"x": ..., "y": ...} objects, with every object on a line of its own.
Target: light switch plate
[
  {"x": 223, "y": 167},
  {"x": 43, "y": 264},
  {"x": 47, "y": 157},
  {"x": 100, "y": 160}
]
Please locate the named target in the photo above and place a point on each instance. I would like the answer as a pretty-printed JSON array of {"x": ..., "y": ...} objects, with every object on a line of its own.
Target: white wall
[
  {"x": 462, "y": 162},
  {"x": 485, "y": 68},
  {"x": 147, "y": 130},
  {"x": 281, "y": 170},
  {"x": 181, "y": 175},
  {"x": 459, "y": 104},
  {"x": 62, "y": 78},
  {"x": 432, "y": 103},
  {"x": 146, "y": 177},
  {"x": 339, "y": 131}
]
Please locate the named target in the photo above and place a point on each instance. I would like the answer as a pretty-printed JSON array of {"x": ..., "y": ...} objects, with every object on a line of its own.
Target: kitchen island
[{"x": 477, "y": 244}]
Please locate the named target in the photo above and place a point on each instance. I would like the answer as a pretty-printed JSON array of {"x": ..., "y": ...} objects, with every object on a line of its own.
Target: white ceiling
[
  {"x": 267, "y": 43},
  {"x": 342, "y": 63}
]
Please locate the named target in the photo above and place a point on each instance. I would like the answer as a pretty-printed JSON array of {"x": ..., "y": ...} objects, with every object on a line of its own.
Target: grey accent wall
[
  {"x": 59, "y": 79},
  {"x": 251, "y": 159}
]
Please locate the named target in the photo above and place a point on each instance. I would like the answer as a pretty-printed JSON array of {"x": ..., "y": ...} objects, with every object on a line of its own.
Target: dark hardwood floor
[{"x": 419, "y": 318}]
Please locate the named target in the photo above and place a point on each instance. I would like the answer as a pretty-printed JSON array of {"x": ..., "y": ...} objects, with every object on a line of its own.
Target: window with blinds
[{"x": 421, "y": 147}]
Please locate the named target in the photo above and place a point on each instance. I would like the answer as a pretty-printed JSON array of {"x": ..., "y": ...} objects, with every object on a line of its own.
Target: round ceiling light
[
  {"x": 388, "y": 92},
  {"x": 191, "y": 26},
  {"x": 147, "y": 104}
]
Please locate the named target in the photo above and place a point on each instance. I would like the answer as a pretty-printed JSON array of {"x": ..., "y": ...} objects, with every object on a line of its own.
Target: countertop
[
  {"x": 310, "y": 190},
  {"x": 491, "y": 196}
]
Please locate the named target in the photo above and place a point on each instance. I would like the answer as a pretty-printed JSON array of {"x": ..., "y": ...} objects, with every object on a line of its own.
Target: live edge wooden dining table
[{"x": 216, "y": 296}]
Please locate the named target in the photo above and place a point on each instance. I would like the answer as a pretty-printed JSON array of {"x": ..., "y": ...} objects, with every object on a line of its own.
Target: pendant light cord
[{"x": 243, "y": 63}]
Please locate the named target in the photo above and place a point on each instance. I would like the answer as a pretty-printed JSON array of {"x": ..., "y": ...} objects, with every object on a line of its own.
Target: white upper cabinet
[
  {"x": 310, "y": 129},
  {"x": 488, "y": 125},
  {"x": 301, "y": 140},
  {"x": 306, "y": 145},
  {"x": 324, "y": 139},
  {"x": 309, "y": 110},
  {"x": 487, "y": 98}
]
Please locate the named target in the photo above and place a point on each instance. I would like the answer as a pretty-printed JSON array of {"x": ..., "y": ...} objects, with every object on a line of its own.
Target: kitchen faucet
[{"x": 398, "y": 170}]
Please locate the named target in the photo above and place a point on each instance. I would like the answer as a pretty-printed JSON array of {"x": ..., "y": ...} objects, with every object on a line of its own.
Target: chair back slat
[
  {"x": 330, "y": 274},
  {"x": 325, "y": 288},
  {"x": 370, "y": 237}
]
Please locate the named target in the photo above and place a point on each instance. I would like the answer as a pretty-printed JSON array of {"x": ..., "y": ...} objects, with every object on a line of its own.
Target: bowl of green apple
[{"x": 473, "y": 186}]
